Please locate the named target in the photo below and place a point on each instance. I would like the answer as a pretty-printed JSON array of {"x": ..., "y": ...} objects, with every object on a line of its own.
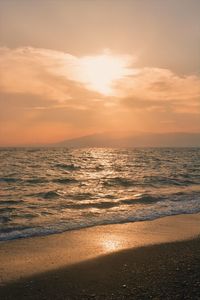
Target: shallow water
[{"x": 52, "y": 190}]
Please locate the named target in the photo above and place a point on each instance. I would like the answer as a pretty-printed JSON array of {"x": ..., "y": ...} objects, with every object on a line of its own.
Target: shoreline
[
  {"x": 27, "y": 257},
  {"x": 40, "y": 235}
]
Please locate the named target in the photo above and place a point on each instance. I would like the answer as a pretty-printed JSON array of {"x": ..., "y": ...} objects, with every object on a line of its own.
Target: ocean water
[{"x": 45, "y": 191}]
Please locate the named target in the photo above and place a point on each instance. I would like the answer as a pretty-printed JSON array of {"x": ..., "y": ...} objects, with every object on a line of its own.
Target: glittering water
[{"x": 51, "y": 190}]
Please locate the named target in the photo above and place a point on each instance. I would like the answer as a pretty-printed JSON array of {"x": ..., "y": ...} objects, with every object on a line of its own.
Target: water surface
[{"x": 52, "y": 190}]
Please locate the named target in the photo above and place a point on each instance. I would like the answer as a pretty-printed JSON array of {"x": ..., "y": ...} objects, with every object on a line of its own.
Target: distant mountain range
[{"x": 134, "y": 140}]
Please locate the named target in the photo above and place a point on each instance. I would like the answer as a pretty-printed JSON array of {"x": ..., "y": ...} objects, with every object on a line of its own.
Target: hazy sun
[{"x": 101, "y": 71}]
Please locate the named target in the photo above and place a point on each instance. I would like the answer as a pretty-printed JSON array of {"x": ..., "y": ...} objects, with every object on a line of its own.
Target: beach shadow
[{"x": 165, "y": 271}]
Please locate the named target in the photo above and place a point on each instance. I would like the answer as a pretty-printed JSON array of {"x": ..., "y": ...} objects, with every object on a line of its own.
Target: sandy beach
[{"x": 140, "y": 260}]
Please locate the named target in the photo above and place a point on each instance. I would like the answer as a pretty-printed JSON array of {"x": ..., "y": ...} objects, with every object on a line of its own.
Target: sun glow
[{"x": 100, "y": 72}]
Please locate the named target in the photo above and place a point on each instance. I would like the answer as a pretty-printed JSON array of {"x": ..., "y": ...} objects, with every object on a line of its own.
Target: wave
[
  {"x": 99, "y": 205},
  {"x": 36, "y": 180},
  {"x": 143, "y": 199},
  {"x": 69, "y": 167},
  {"x": 81, "y": 196},
  {"x": 46, "y": 195},
  {"x": 10, "y": 202},
  {"x": 169, "y": 181},
  {"x": 65, "y": 180},
  {"x": 15, "y": 233},
  {"x": 119, "y": 181},
  {"x": 10, "y": 179},
  {"x": 4, "y": 219}
]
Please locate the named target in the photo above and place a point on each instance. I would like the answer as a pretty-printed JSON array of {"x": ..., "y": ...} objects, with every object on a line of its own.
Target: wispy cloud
[
  {"x": 161, "y": 88},
  {"x": 40, "y": 72}
]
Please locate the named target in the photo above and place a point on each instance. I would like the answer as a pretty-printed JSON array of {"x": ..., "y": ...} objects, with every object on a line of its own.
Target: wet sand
[{"x": 144, "y": 260}]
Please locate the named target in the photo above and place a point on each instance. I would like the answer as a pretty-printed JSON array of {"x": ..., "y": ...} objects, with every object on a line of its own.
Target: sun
[{"x": 101, "y": 71}]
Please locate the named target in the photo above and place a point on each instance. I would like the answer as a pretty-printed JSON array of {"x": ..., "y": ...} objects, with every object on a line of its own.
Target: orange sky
[{"x": 71, "y": 68}]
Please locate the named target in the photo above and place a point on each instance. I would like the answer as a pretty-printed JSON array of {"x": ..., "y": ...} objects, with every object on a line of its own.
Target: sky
[{"x": 70, "y": 68}]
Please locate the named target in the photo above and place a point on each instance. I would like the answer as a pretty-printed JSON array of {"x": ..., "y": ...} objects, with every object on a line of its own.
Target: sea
[{"x": 51, "y": 190}]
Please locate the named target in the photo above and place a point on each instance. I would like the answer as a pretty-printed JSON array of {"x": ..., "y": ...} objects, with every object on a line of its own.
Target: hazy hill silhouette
[{"x": 135, "y": 140}]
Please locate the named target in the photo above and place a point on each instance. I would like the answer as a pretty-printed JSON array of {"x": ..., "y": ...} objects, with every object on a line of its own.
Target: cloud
[
  {"x": 40, "y": 72},
  {"x": 42, "y": 86},
  {"x": 161, "y": 89},
  {"x": 161, "y": 84},
  {"x": 59, "y": 76}
]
